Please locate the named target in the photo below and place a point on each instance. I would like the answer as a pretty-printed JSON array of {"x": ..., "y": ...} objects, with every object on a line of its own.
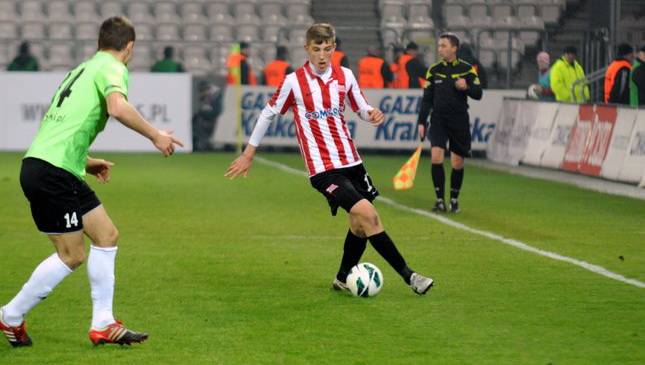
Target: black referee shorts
[
  {"x": 58, "y": 199},
  {"x": 454, "y": 129},
  {"x": 344, "y": 187}
]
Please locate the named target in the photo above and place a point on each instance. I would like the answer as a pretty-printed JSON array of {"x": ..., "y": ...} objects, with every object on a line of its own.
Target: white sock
[
  {"x": 100, "y": 269},
  {"x": 43, "y": 280}
]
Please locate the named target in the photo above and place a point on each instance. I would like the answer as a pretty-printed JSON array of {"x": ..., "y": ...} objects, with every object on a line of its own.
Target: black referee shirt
[{"x": 442, "y": 96}]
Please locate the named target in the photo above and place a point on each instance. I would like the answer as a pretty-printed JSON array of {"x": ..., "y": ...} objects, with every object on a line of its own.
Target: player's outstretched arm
[
  {"x": 99, "y": 168},
  {"x": 127, "y": 114},
  {"x": 242, "y": 164}
]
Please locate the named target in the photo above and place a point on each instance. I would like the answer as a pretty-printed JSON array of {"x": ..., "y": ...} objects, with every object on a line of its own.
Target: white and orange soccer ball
[{"x": 365, "y": 280}]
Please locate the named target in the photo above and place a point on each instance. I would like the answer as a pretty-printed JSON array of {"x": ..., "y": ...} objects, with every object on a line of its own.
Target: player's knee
[
  {"x": 108, "y": 238},
  {"x": 355, "y": 225},
  {"x": 78, "y": 259},
  {"x": 357, "y": 230},
  {"x": 365, "y": 216},
  {"x": 457, "y": 162},
  {"x": 370, "y": 220},
  {"x": 114, "y": 237},
  {"x": 437, "y": 156},
  {"x": 73, "y": 259}
]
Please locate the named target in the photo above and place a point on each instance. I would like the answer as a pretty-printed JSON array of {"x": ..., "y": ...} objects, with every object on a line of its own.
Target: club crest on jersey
[
  {"x": 330, "y": 189},
  {"x": 331, "y": 112}
]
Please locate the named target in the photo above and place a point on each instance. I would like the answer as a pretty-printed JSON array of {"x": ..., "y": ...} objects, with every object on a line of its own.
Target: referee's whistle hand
[
  {"x": 376, "y": 116},
  {"x": 461, "y": 84},
  {"x": 422, "y": 132}
]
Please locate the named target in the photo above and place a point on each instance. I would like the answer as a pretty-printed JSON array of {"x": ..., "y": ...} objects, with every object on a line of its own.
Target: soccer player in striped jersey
[{"x": 317, "y": 93}]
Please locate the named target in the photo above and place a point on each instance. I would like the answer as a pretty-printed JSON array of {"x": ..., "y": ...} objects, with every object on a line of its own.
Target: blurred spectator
[
  {"x": 235, "y": 60},
  {"x": 168, "y": 64},
  {"x": 205, "y": 119},
  {"x": 276, "y": 70},
  {"x": 637, "y": 81},
  {"x": 339, "y": 58},
  {"x": 25, "y": 61},
  {"x": 564, "y": 73},
  {"x": 402, "y": 77},
  {"x": 415, "y": 67},
  {"x": 543, "y": 87},
  {"x": 465, "y": 52},
  {"x": 397, "y": 52},
  {"x": 411, "y": 70},
  {"x": 617, "y": 76},
  {"x": 373, "y": 71}
]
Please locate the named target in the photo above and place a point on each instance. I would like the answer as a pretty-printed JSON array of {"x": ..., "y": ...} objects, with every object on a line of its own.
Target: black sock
[
  {"x": 456, "y": 179},
  {"x": 386, "y": 248},
  {"x": 352, "y": 252},
  {"x": 439, "y": 179}
]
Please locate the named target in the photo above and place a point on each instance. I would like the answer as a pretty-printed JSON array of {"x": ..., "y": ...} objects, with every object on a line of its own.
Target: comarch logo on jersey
[{"x": 331, "y": 112}]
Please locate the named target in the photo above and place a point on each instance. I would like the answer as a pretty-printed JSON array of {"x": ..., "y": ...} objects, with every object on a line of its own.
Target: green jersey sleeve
[{"x": 113, "y": 77}]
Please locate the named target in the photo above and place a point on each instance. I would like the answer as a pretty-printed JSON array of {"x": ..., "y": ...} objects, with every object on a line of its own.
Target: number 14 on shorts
[{"x": 71, "y": 220}]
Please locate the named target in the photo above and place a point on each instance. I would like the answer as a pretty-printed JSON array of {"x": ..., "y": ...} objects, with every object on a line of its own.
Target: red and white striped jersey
[{"x": 318, "y": 108}]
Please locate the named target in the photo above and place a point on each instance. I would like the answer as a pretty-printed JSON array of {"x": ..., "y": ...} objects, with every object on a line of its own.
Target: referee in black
[{"x": 448, "y": 84}]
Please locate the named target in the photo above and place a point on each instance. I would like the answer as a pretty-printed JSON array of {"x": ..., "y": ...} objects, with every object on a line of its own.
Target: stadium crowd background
[{"x": 505, "y": 36}]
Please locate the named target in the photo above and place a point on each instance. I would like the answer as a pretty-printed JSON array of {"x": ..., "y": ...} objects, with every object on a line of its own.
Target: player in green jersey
[{"x": 62, "y": 204}]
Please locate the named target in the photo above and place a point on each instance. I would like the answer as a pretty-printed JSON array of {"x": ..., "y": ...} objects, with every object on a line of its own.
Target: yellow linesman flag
[{"x": 404, "y": 179}]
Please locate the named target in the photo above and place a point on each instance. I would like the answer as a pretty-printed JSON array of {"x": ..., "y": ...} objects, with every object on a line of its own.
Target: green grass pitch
[{"x": 239, "y": 272}]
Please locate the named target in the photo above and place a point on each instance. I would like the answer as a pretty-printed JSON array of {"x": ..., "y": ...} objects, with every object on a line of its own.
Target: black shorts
[
  {"x": 344, "y": 187},
  {"x": 454, "y": 129},
  {"x": 58, "y": 199}
]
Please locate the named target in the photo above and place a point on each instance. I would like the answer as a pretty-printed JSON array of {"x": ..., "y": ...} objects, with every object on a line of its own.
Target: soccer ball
[{"x": 365, "y": 280}]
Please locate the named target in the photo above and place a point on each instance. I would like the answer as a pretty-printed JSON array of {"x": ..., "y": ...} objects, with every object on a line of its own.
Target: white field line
[
  {"x": 293, "y": 237},
  {"x": 493, "y": 236}
]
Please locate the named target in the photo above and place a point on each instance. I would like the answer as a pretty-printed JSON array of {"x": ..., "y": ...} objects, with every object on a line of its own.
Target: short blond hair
[{"x": 320, "y": 33}]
